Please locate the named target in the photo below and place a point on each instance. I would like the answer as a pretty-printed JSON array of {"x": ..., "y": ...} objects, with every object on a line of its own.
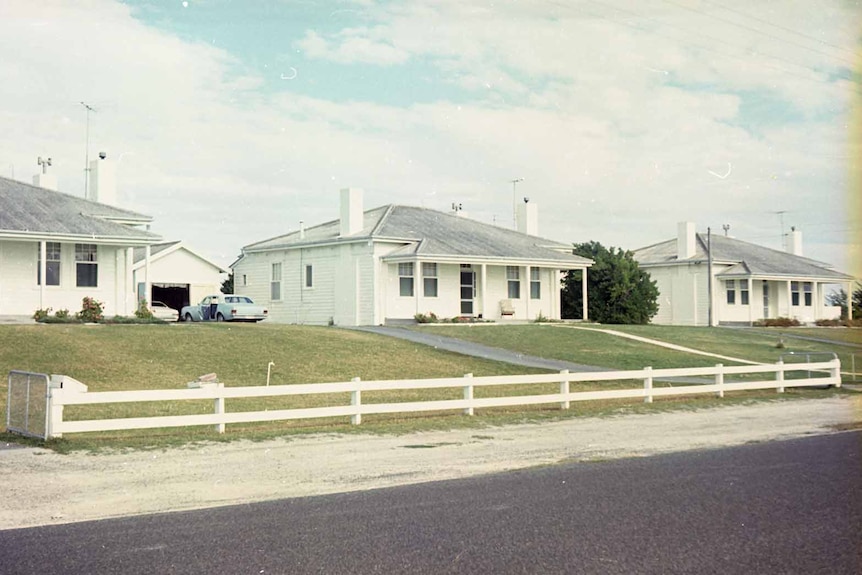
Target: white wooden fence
[{"x": 801, "y": 374}]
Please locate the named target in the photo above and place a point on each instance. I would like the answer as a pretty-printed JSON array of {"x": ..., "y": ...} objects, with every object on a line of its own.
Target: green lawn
[
  {"x": 561, "y": 341},
  {"x": 136, "y": 357}
]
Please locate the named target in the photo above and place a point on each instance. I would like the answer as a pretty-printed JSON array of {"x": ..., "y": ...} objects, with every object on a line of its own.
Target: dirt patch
[{"x": 42, "y": 487}]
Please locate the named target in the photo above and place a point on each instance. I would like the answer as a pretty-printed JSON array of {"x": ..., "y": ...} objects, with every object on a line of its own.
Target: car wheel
[
  {"x": 187, "y": 317},
  {"x": 219, "y": 317}
]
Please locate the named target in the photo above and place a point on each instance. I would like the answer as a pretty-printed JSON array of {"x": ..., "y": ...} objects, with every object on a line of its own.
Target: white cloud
[{"x": 573, "y": 99}]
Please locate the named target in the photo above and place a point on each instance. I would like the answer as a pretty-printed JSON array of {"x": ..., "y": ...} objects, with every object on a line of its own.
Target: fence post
[
  {"x": 835, "y": 371},
  {"x": 564, "y": 389},
  {"x": 55, "y": 414},
  {"x": 356, "y": 401},
  {"x": 468, "y": 395},
  {"x": 719, "y": 378},
  {"x": 648, "y": 384},
  {"x": 779, "y": 375},
  {"x": 219, "y": 406}
]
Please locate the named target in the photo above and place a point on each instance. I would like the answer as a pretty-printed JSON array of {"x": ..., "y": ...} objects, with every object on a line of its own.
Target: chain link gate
[{"x": 27, "y": 404}]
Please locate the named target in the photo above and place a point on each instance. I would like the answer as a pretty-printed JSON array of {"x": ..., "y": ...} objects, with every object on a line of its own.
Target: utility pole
[
  {"x": 515, "y": 201},
  {"x": 87, "y": 150}
]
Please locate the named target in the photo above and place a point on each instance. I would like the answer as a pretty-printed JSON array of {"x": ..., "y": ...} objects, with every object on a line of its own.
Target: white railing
[{"x": 825, "y": 373}]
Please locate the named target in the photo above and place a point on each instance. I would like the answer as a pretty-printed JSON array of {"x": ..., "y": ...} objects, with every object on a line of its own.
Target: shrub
[
  {"x": 91, "y": 311},
  {"x": 431, "y": 317},
  {"x": 41, "y": 314},
  {"x": 777, "y": 322},
  {"x": 143, "y": 311},
  {"x": 62, "y": 314}
]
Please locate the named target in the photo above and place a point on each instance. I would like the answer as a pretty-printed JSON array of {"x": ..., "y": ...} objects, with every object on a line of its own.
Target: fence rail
[{"x": 801, "y": 374}]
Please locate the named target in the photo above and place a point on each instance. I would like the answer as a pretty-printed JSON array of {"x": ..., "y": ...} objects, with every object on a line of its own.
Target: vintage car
[
  {"x": 225, "y": 307},
  {"x": 163, "y": 312}
]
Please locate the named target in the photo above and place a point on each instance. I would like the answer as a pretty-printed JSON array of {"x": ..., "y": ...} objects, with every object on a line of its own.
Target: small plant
[
  {"x": 41, "y": 314},
  {"x": 91, "y": 311},
  {"x": 780, "y": 344},
  {"x": 430, "y": 317},
  {"x": 62, "y": 314},
  {"x": 541, "y": 318},
  {"x": 143, "y": 311},
  {"x": 777, "y": 322}
]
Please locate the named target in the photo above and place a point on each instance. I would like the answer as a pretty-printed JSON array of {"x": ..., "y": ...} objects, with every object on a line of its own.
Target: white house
[
  {"x": 177, "y": 275},
  {"x": 80, "y": 247},
  {"x": 748, "y": 282},
  {"x": 393, "y": 262}
]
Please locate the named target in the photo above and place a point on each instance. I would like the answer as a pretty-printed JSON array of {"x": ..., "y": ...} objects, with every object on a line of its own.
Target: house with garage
[
  {"x": 390, "y": 263},
  {"x": 737, "y": 282},
  {"x": 177, "y": 275},
  {"x": 56, "y": 249}
]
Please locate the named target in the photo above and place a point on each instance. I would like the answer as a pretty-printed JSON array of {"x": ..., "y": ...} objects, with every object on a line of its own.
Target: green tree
[
  {"x": 227, "y": 285},
  {"x": 618, "y": 291},
  {"x": 839, "y": 298}
]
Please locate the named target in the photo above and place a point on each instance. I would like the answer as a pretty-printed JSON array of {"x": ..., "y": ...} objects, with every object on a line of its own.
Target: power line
[{"x": 779, "y": 26}]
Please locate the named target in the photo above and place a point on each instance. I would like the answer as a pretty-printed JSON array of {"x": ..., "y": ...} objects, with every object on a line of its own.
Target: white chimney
[
  {"x": 686, "y": 241},
  {"x": 795, "y": 243},
  {"x": 45, "y": 180},
  {"x": 528, "y": 218},
  {"x": 102, "y": 185},
  {"x": 351, "y": 211}
]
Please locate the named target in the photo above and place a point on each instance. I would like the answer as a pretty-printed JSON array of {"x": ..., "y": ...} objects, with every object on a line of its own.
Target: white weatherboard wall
[
  {"x": 683, "y": 297},
  {"x": 20, "y": 293}
]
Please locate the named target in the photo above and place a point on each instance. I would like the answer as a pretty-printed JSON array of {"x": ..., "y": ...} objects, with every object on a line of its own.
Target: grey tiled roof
[
  {"x": 429, "y": 233},
  {"x": 140, "y": 253},
  {"x": 746, "y": 259},
  {"x": 27, "y": 209}
]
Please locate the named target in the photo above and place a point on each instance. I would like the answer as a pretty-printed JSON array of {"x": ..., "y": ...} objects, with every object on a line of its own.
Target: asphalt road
[{"x": 782, "y": 507}]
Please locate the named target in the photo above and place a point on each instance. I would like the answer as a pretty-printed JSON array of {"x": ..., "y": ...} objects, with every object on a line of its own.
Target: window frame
[
  {"x": 430, "y": 279},
  {"x": 513, "y": 281},
  {"x": 309, "y": 276},
  {"x": 406, "y": 279},
  {"x": 535, "y": 283},
  {"x": 275, "y": 293},
  {"x": 53, "y": 260},
  {"x": 730, "y": 290},
  {"x": 86, "y": 258}
]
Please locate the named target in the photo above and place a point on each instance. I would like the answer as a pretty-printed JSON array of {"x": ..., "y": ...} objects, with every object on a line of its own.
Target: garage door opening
[{"x": 172, "y": 295}]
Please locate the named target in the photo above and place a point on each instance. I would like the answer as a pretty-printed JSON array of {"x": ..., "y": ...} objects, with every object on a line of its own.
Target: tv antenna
[
  {"x": 726, "y": 228},
  {"x": 87, "y": 149},
  {"x": 780, "y": 214}
]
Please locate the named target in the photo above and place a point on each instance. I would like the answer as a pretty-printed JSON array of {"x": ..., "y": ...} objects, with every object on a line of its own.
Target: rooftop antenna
[
  {"x": 457, "y": 207},
  {"x": 515, "y": 201},
  {"x": 726, "y": 228},
  {"x": 44, "y": 164},
  {"x": 87, "y": 149},
  {"x": 781, "y": 220}
]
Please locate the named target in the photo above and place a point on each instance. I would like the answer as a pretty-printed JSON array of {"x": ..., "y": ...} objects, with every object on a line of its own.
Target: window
[
  {"x": 86, "y": 265},
  {"x": 743, "y": 292},
  {"x": 794, "y": 293},
  {"x": 429, "y": 279},
  {"x": 275, "y": 283},
  {"x": 730, "y": 286},
  {"x": 535, "y": 283},
  {"x": 244, "y": 280},
  {"x": 513, "y": 276},
  {"x": 52, "y": 264},
  {"x": 309, "y": 276},
  {"x": 405, "y": 279},
  {"x": 807, "y": 289}
]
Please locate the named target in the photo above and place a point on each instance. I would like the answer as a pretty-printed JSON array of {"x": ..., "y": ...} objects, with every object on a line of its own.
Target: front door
[
  {"x": 468, "y": 289},
  {"x": 765, "y": 299}
]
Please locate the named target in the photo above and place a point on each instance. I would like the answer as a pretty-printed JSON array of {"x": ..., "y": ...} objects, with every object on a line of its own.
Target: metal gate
[{"x": 27, "y": 404}]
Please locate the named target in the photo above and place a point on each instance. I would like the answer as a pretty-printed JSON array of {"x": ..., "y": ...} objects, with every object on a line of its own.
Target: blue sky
[{"x": 232, "y": 121}]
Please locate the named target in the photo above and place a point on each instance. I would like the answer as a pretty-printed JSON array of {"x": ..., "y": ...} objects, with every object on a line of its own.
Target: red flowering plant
[{"x": 91, "y": 311}]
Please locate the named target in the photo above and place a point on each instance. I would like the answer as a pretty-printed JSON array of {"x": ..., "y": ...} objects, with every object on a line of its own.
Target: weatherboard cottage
[
  {"x": 749, "y": 282},
  {"x": 394, "y": 262}
]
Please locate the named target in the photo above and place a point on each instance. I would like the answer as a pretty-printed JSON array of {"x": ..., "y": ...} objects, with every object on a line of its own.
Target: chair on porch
[{"x": 506, "y": 308}]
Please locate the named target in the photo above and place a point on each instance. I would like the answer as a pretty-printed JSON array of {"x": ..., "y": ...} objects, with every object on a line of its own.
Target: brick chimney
[
  {"x": 528, "y": 218},
  {"x": 351, "y": 211},
  {"x": 686, "y": 241},
  {"x": 102, "y": 187},
  {"x": 794, "y": 243}
]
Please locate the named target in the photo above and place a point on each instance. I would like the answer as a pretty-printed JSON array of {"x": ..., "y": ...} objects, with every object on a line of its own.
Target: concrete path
[
  {"x": 663, "y": 344},
  {"x": 476, "y": 349}
]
